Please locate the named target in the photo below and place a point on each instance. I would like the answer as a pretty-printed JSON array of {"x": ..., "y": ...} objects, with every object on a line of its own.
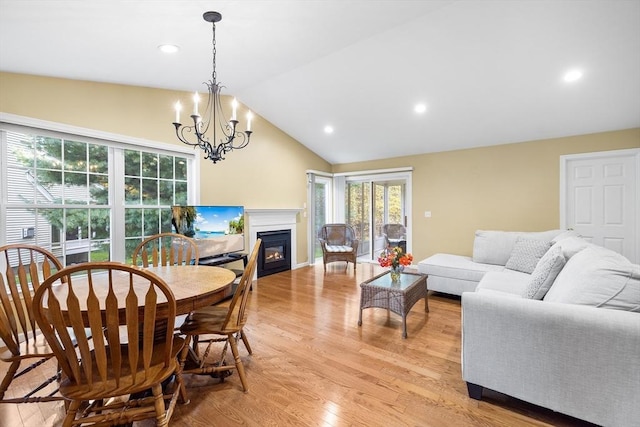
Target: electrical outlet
[{"x": 427, "y": 214}]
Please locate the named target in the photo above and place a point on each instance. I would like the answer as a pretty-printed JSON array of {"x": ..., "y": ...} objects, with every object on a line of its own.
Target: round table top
[{"x": 193, "y": 287}]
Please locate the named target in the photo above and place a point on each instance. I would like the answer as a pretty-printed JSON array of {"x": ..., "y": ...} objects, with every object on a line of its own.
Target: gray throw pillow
[
  {"x": 526, "y": 254},
  {"x": 545, "y": 273}
]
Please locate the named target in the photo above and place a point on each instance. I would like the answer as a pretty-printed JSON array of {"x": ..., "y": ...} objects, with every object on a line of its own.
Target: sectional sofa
[
  {"x": 455, "y": 274},
  {"x": 550, "y": 319}
]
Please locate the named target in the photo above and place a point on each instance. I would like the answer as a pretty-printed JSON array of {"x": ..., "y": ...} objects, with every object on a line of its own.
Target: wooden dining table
[{"x": 194, "y": 286}]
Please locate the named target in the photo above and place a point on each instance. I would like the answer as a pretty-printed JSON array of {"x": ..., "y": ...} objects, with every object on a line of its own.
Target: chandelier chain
[{"x": 213, "y": 50}]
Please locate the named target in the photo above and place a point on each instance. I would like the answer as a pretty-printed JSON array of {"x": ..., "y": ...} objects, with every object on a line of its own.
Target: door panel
[
  {"x": 320, "y": 203},
  {"x": 613, "y": 205},
  {"x": 378, "y": 219},
  {"x": 601, "y": 205},
  {"x": 358, "y": 213}
]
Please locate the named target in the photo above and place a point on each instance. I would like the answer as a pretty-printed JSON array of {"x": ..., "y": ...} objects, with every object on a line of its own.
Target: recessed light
[
  {"x": 328, "y": 129},
  {"x": 420, "y": 108},
  {"x": 168, "y": 48},
  {"x": 572, "y": 75}
]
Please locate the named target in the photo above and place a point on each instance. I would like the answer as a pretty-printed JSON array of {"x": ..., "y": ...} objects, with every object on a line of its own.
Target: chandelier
[{"x": 223, "y": 136}]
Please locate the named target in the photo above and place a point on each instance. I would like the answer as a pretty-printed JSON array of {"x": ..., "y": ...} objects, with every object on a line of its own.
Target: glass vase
[{"x": 395, "y": 273}]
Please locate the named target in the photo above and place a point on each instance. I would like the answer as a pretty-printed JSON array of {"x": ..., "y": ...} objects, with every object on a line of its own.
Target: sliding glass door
[
  {"x": 366, "y": 200},
  {"x": 369, "y": 205}
]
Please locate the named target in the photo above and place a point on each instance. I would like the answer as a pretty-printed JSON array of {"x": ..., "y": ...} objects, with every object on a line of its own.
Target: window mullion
[{"x": 116, "y": 199}]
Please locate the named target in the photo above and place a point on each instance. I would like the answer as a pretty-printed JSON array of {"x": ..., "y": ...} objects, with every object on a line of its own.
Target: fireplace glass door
[{"x": 275, "y": 252}]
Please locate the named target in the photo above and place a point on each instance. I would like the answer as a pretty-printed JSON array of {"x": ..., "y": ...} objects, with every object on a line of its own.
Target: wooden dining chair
[
  {"x": 225, "y": 324},
  {"x": 23, "y": 268},
  {"x": 166, "y": 249},
  {"x": 106, "y": 368}
]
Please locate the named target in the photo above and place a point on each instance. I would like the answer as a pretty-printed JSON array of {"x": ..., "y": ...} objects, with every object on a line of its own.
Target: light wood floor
[{"x": 313, "y": 366}]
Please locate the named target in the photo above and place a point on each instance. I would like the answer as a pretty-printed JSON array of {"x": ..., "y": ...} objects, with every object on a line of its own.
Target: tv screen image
[{"x": 218, "y": 230}]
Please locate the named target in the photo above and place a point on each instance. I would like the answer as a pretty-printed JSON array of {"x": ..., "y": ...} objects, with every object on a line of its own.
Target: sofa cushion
[
  {"x": 545, "y": 273},
  {"x": 564, "y": 235},
  {"x": 571, "y": 245},
  {"x": 598, "y": 277},
  {"x": 495, "y": 247},
  {"x": 526, "y": 254},
  {"x": 455, "y": 267},
  {"x": 506, "y": 282}
]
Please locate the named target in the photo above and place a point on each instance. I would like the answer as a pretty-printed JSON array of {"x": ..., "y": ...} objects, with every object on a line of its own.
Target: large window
[
  {"x": 153, "y": 183},
  {"x": 86, "y": 199}
]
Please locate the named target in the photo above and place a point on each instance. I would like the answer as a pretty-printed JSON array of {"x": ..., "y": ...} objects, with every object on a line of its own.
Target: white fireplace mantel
[
  {"x": 260, "y": 220},
  {"x": 271, "y": 217}
]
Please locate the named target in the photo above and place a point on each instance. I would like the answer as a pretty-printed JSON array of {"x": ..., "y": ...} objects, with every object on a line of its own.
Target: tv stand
[{"x": 215, "y": 261}]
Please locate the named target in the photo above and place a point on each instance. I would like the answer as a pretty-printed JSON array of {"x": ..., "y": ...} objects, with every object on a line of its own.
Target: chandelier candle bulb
[
  {"x": 249, "y": 117},
  {"x": 178, "y": 109},
  {"x": 234, "y": 106},
  {"x": 196, "y": 100}
]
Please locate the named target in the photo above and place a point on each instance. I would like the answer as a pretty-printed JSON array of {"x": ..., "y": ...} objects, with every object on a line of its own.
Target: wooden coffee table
[{"x": 381, "y": 292}]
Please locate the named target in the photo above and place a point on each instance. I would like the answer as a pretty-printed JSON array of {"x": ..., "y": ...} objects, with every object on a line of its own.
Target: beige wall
[
  {"x": 269, "y": 173},
  {"x": 504, "y": 187},
  {"x": 508, "y": 187}
]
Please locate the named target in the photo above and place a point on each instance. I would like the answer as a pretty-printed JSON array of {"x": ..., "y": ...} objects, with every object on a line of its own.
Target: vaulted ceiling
[{"x": 487, "y": 72}]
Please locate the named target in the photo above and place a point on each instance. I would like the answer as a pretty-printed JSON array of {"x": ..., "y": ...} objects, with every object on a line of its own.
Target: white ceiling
[{"x": 489, "y": 71}]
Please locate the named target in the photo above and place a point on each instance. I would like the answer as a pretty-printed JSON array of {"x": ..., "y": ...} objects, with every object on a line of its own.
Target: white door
[{"x": 599, "y": 199}]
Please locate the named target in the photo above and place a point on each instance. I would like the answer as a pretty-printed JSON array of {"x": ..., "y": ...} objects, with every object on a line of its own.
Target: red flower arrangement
[{"x": 395, "y": 258}]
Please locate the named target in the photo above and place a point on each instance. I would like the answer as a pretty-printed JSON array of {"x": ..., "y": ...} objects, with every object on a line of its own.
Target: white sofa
[
  {"x": 565, "y": 336},
  {"x": 455, "y": 274}
]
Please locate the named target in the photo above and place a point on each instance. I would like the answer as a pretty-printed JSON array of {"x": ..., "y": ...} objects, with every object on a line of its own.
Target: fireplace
[
  {"x": 275, "y": 252},
  {"x": 265, "y": 220}
]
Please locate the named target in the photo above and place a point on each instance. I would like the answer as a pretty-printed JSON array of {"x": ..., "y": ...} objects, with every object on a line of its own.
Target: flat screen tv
[{"x": 218, "y": 230}]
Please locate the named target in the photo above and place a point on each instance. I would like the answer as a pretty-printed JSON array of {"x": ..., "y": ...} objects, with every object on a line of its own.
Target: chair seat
[
  {"x": 339, "y": 248},
  {"x": 28, "y": 349},
  {"x": 396, "y": 242},
  {"x": 38, "y": 348},
  {"x": 209, "y": 320},
  {"x": 110, "y": 388}
]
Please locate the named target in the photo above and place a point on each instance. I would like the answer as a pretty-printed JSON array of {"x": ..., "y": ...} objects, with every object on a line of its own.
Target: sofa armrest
[{"x": 578, "y": 360}]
